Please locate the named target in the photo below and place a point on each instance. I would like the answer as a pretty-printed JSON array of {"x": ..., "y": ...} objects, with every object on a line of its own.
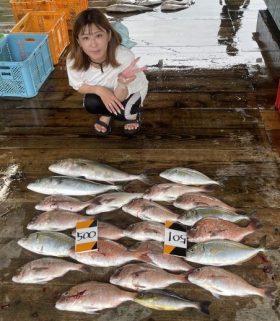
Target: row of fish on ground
[
  {"x": 211, "y": 226},
  {"x": 126, "y": 6}
]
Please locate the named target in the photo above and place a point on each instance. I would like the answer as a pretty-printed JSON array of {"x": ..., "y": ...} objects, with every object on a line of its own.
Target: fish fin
[
  {"x": 143, "y": 178},
  {"x": 269, "y": 293},
  {"x": 204, "y": 306}
]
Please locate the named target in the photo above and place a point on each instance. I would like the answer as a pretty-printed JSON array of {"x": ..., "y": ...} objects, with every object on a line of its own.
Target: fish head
[
  {"x": 195, "y": 252},
  {"x": 146, "y": 298},
  {"x": 71, "y": 300},
  {"x": 23, "y": 242},
  {"x": 19, "y": 277},
  {"x": 116, "y": 277},
  {"x": 91, "y": 209},
  {"x": 190, "y": 217},
  {"x": 197, "y": 274},
  {"x": 60, "y": 167},
  {"x": 33, "y": 224},
  {"x": 133, "y": 207}
]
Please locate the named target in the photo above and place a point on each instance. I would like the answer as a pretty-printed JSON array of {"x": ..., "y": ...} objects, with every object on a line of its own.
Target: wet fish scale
[
  {"x": 213, "y": 228},
  {"x": 145, "y": 277},
  {"x": 92, "y": 170},
  {"x": 220, "y": 253},
  {"x": 69, "y": 186},
  {"x": 109, "y": 253},
  {"x": 187, "y": 176},
  {"x": 110, "y": 201},
  {"x": 56, "y": 220},
  {"x": 221, "y": 282},
  {"x": 48, "y": 243},
  {"x": 148, "y": 210},
  {"x": 45, "y": 269},
  {"x": 193, "y": 200},
  {"x": 61, "y": 202},
  {"x": 169, "y": 192},
  {"x": 91, "y": 297},
  {"x": 190, "y": 217}
]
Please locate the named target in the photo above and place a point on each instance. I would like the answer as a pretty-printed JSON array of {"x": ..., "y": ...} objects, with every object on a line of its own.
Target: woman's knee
[{"x": 93, "y": 104}]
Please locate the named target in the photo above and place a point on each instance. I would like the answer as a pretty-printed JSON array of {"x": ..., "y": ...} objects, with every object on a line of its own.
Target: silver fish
[
  {"x": 69, "y": 186},
  {"x": 221, "y": 253},
  {"x": 194, "y": 215},
  {"x": 110, "y": 202},
  {"x": 43, "y": 270},
  {"x": 168, "y": 262},
  {"x": 109, "y": 253},
  {"x": 221, "y": 282},
  {"x": 91, "y": 297},
  {"x": 171, "y": 6},
  {"x": 187, "y": 176},
  {"x": 170, "y": 191},
  {"x": 56, "y": 220},
  {"x": 151, "y": 211},
  {"x": 145, "y": 277},
  {"x": 168, "y": 301},
  {"x": 93, "y": 170},
  {"x": 107, "y": 231},
  {"x": 48, "y": 243},
  {"x": 61, "y": 202},
  {"x": 127, "y": 8},
  {"x": 140, "y": 2},
  {"x": 143, "y": 231},
  {"x": 193, "y": 200}
]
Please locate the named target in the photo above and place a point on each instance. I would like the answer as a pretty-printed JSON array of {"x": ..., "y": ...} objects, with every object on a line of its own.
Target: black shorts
[{"x": 94, "y": 105}]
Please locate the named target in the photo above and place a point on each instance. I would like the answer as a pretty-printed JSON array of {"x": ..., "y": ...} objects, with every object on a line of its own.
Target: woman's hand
[
  {"x": 111, "y": 102},
  {"x": 129, "y": 73}
]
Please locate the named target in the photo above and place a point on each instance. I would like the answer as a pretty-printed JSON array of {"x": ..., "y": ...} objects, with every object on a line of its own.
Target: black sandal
[
  {"x": 106, "y": 126},
  {"x": 134, "y": 130}
]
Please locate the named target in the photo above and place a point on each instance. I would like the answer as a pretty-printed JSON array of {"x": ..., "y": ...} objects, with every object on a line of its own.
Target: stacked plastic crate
[{"x": 35, "y": 44}]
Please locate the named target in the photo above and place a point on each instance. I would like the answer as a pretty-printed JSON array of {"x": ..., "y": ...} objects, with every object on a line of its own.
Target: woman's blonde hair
[{"x": 85, "y": 19}]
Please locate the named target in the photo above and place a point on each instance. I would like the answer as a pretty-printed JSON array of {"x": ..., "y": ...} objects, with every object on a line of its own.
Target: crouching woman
[{"x": 106, "y": 72}]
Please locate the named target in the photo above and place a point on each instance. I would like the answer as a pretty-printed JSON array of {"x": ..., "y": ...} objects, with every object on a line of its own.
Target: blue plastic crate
[{"x": 25, "y": 63}]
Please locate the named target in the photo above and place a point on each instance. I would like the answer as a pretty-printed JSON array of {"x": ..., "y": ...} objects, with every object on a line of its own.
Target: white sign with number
[
  {"x": 85, "y": 235},
  {"x": 175, "y": 238}
]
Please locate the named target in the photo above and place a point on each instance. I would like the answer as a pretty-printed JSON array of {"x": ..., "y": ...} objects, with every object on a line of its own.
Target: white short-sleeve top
[{"x": 108, "y": 78}]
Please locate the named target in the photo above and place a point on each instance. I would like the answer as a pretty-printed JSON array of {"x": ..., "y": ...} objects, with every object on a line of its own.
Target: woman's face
[{"x": 94, "y": 42}]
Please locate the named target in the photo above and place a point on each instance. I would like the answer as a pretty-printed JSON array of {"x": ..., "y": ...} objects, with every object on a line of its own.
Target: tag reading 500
[{"x": 86, "y": 236}]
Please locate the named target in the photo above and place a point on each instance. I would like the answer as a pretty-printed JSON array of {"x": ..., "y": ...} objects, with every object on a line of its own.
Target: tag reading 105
[
  {"x": 175, "y": 240},
  {"x": 86, "y": 236}
]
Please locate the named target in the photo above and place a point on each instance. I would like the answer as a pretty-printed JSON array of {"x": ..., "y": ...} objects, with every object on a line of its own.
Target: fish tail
[
  {"x": 118, "y": 187},
  {"x": 254, "y": 224},
  {"x": 204, "y": 306},
  {"x": 143, "y": 178},
  {"x": 263, "y": 242},
  {"x": 268, "y": 293},
  {"x": 83, "y": 268},
  {"x": 143, "y": 256}
]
